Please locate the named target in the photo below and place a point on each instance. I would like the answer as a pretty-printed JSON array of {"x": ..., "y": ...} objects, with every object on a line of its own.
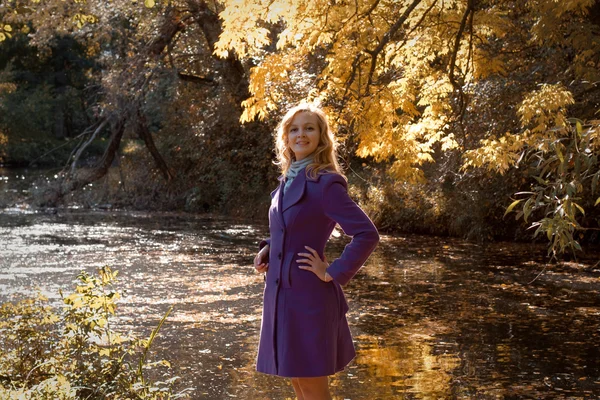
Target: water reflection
[{"x": 432, "y": 318}]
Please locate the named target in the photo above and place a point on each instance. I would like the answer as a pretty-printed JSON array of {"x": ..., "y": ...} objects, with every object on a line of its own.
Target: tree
[
  {"x": 418, "y": 80},
  {"x": 136, "y": 43}
]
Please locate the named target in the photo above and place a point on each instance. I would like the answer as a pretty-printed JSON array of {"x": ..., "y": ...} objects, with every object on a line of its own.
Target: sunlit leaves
[
  {"x": 512, "y": 206},
  {"x": 242, "y": 30},
  {"x": 495, "y": 154},
  {"x": 5, "y": 32},
  {"x": 46, "y": 354},
  {"x": 395, "y": 98},
  {"x": 543, "y": 115},
  {"x": 545, "y": 108},
  {"x": 270, "y": 83},
  {"x": 82, "y": 19}
]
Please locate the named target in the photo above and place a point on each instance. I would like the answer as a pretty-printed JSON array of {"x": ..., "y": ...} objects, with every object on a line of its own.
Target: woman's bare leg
[
  {"x": 297, "y": 389},
  {"x": 315, "y": 388}
]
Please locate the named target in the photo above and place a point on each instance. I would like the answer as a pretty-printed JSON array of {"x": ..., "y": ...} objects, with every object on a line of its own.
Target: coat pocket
[{"x": 341, "y": 299}]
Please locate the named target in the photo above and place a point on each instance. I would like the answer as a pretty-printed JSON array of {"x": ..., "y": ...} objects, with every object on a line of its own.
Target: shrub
[{"x": 76, "y": 352}]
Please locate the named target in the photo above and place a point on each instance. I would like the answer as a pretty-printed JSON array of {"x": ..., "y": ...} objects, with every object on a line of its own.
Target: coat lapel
[
  {"x": 277, "y": 201},
  {"x": 295, "y": 191}
]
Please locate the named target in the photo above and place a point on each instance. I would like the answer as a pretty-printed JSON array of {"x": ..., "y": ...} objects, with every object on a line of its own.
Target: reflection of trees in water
[{"x": 404, "y": 363}]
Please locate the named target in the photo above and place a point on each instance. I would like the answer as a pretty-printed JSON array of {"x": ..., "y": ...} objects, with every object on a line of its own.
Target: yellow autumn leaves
[
  {"x": 543, "y": 116},
  {"x": 5, "y": 32},
  {"x": 389, "y": 88}
]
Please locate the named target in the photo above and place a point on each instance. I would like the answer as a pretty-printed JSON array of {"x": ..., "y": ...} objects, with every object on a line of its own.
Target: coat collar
[
  {"x": 296, "y": 190},
  {"x": 281, "y": 178}
]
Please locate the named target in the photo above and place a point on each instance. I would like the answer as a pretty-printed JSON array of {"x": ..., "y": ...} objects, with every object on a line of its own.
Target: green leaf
[
  {"x": 527, "y": 208},
  {"x": 597, "y": 201},
  {"x": 559, "y": 153},
  {"x": 524, "y": 193},
  {"x": 512, "y": 205},
  {"x": 579, "y": 208}
]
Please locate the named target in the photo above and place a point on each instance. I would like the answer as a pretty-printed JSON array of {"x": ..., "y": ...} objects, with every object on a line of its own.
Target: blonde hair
[{"x": 324, "y": 157}]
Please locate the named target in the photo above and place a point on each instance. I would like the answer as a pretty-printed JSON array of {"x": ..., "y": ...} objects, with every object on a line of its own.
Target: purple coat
[{"x": 304, "y": 330}]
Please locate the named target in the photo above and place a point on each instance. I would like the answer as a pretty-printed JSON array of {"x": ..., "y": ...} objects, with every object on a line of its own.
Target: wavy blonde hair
[{"x": 324, "y": 157}]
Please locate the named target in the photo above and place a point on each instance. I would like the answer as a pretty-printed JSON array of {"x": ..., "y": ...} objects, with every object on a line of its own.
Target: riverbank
[{"x": 395, "y": 208}]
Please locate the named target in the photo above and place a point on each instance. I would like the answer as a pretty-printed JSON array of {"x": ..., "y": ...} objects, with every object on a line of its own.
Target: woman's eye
[{"x": 293, "y": 129}]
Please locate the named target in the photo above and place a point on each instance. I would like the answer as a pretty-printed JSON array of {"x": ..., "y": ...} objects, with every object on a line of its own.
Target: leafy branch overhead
[{"x": 400, "y": 75}]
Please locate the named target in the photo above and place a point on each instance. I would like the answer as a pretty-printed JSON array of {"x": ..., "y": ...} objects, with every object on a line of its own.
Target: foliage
[
  {"x": 566, "y": 170},
  {"x": 76, "y": 352},
  {"x": 399, "y": 75},
  {"x": 471, "y": 208},
  {"x": 45, "y": 94},
  {"x": 409, "y": 82},
  {"x": 430, "y": 91}
]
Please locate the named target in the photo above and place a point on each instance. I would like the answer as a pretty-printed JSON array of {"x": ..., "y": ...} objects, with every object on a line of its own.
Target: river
[{"x": 432, "y": 317}]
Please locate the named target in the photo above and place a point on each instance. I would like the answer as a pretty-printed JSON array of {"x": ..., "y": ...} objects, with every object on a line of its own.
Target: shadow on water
[{"x": 432, "y": 318}]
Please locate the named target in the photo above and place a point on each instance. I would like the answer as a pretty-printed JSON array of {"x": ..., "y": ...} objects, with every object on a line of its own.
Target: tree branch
[
  {"x": 85, "y": 145},
  {"x": 463, "y": 22},
  {"x": 386, "y": 39},
  {"x": 196, "y": 79},
  {"x": 128, "y": 101}
]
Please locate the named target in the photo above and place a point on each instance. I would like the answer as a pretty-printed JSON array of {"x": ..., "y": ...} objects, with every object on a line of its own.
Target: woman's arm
[{"x": 338, "y": 206}]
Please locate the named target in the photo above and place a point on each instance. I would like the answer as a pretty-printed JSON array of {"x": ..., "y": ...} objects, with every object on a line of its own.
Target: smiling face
[{"x": 303, "y": 134}]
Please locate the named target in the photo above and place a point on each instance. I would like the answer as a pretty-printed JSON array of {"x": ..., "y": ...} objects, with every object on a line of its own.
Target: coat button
[
  {"x": 279, "y": 256},
  {"x": 277, "y": 281},
  {"x": 282, "y": 230}
]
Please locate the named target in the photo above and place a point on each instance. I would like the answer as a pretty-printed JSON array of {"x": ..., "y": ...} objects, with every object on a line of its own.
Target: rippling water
[{"x": 432, "y": 318}]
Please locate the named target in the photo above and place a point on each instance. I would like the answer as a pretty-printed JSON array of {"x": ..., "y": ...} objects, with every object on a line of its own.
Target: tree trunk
[
  {"x": 145, "y": 134},
  {"x": 85, "y": 176},
  {"x": 232, "y": 69}
]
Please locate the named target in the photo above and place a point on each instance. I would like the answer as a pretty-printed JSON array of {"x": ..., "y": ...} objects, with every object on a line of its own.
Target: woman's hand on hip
[
  {"x": 315, "y": 264},
  {"x": 259, "y": 261}
]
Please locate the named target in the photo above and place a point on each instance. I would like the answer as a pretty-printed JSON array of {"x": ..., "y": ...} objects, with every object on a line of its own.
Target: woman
[{"x": 304, "y": 333}]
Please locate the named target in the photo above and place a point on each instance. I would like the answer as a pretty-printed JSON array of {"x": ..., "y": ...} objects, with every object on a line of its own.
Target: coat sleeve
[
  {"x": 338, "y": 206},
  {"x": 262, "y": 244}
]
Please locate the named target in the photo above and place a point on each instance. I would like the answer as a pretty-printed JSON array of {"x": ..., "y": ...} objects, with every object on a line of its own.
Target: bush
[{"x": 76, "y": 353}]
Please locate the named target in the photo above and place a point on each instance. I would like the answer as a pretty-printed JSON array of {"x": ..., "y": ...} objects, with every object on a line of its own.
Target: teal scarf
[{"x": 295, "y": 168}]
